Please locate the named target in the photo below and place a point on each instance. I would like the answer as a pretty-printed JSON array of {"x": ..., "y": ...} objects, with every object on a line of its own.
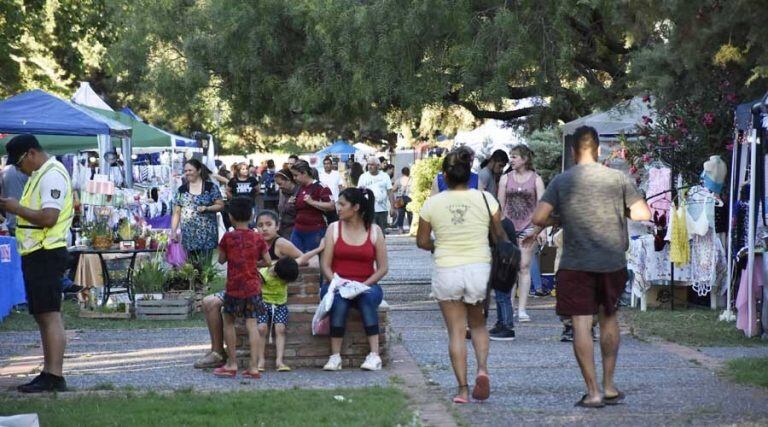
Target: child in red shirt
[{"x": 242, "y": 249}]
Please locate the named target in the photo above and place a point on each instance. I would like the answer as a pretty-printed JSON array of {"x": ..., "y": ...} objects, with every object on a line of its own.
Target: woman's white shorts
[{"x": 466, "y": 283}]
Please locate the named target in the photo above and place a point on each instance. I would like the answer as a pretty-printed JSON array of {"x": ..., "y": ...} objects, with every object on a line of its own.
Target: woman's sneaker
[
  {"x": 523, "y": 317},
  {"x": 503, "y": 334},
  {"x": 372, "y": 362},
  {"x": 211, "y": 360},
  {"x": 334, "y": 363}
]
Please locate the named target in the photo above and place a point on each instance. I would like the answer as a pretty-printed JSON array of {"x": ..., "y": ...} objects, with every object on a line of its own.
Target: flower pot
[
  {"x": 141, "y": 243},
  {"x": 102, "y": 242},
  {"x": 154, "y": 244}
]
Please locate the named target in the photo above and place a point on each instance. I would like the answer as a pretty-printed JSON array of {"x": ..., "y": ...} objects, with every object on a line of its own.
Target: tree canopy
[{"x": 263, "y": 72}]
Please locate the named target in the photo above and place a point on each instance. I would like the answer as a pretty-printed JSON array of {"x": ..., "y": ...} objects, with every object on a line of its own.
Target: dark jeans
[
  {"x": 380, "y": 219},
  {"x": 504, "y": 311},
  {"x": 307, "y": 240},
  {"x": 367, "y": 303},
  {"x": 402, "y": 213}
]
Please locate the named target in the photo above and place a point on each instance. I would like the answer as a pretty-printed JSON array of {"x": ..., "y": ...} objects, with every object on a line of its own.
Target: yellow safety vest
[{"x": 30, "y": 237}]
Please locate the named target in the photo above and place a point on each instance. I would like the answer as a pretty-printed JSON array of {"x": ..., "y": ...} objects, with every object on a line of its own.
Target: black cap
[{"x": 20, "y": 144}]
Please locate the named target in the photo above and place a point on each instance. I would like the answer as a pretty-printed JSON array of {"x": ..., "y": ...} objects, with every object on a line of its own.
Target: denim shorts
[{"x": 249, "y": 307}]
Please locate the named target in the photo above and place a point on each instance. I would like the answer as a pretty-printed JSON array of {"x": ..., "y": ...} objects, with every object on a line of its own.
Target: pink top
[{"x": 521, "y": 201}]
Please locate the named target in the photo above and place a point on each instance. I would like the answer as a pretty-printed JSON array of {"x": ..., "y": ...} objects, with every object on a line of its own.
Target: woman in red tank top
[{"x": 355, "y": 250}]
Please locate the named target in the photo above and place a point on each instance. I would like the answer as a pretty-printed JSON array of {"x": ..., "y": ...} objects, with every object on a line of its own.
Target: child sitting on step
[
  {"x": 242, "y": 249},
  {"x": 274, "y": 292}
]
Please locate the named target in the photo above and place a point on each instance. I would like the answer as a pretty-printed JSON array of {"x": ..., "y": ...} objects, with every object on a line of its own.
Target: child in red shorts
[{"x": 242, "y": 249}]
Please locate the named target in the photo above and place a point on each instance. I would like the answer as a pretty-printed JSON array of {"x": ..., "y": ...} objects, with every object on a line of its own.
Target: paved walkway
[{"x": 535, "y": 379}]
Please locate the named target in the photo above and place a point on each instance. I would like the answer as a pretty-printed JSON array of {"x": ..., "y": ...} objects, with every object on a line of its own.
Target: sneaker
[
  {"x": 567, "y": 335},
  {"x": 372, "y": 362},
  {"x": 523, "y": 317},
  {"x": 468, "y": 334},
  {"x": 495, "y": 329},
  {"x": 505, "y": 334},
  {"x": 334, "y": 363},
  {"x": 44, "y": 382},
  {"x": 211, "y": 360},
  {"x": 594, "y": 334},
  {"x": 542, "y": 293}
]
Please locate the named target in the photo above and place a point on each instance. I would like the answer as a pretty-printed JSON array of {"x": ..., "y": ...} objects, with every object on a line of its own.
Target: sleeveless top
[
  {"x": 521, "y": 201},
  {"x": 273, "y": 249},
  {"x": 353, "y": 262}
]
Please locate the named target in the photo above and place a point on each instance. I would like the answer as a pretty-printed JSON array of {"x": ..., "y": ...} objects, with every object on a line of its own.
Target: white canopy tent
[{"x": 86, "y": 96}]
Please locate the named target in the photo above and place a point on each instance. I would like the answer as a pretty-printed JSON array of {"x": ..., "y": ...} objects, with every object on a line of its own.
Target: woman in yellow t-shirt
[{"x": 460, "y": 221}]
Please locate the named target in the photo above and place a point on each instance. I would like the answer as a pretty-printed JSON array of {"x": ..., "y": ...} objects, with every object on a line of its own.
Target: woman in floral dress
[{"x": 197, "y": 202}]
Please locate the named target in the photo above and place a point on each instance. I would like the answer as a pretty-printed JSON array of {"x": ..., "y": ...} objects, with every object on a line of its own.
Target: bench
[{"x": 302, "y": 349}]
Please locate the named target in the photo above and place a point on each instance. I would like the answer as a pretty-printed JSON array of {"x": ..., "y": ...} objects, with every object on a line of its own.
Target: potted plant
[
  {"x": 148, "y": 279},
  {"x": 99, "y": 233},
  {"x": 180, "y": 283}
]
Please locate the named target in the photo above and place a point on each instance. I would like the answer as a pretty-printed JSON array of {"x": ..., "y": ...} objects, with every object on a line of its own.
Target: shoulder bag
[{"x": 505, "y": 258}]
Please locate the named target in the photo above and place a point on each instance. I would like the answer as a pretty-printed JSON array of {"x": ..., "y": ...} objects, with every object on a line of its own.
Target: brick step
[{"x": 302, "y": 349}]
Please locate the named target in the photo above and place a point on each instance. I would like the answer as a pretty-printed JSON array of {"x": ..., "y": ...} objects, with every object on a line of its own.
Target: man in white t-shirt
[
  {"x": 381, "y": 185},
  {"x": 330, "y": 178}
]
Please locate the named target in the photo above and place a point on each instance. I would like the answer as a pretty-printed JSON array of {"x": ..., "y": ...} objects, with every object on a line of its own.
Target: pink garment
[
  {"x": 659, "y": 181},
  {"x": 521, "y": 201},
  {"x": 744, "y": 316}
]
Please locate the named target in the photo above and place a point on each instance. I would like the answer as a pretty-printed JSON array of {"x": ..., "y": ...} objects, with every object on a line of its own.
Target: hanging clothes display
[
  {"x": 659, "y": 180},
  {"x": 747, "y": 319},
  {"x": 679, "y": 249}
]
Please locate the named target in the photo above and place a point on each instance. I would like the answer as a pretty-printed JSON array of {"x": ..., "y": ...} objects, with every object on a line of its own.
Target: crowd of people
[{"x": 339, "y": 221}]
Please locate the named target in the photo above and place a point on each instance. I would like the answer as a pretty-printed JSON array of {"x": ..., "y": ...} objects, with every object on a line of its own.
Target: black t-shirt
[{"x": 244, "y": 188}]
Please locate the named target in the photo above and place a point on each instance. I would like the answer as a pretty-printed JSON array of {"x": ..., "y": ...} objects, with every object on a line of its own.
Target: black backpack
[{"x": 505, "y": 256}]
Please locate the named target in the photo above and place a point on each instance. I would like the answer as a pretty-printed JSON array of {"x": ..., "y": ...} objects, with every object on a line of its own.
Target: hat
[{"x": 19, "y": 145}]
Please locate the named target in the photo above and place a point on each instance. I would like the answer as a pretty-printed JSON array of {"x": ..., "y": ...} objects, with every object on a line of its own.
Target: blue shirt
[{"x": 442, "y": 186}]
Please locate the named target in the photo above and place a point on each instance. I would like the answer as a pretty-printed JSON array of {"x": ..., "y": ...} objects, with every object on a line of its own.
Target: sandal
[
  {"x": 458, "y": 399},
  {"x": 614, "y": 400},
  {"x": 482, "y": 388},
  {"x": 252, "y": 375},
  {"x": 283, "y": 368},
  {"x": 582, "y": 403},
  {"x": 223, "y": 372},
  {"x": 261, "y": 369}
]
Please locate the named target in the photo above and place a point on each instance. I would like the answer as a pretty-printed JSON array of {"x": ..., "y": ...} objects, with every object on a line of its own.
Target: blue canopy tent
[
  {"x": 41, "y": 113},
  {"x": 339, "y": 148}
]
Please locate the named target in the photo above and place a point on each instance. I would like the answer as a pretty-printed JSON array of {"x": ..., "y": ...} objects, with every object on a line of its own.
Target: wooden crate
[{"x": 163, "y": 309}]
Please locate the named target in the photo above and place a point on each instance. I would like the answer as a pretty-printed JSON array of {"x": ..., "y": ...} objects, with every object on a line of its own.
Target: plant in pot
[
  {"x": 149, "y": 279},
  {"x": 180, "y": 283},
  {"x": 100, "y": 234}
]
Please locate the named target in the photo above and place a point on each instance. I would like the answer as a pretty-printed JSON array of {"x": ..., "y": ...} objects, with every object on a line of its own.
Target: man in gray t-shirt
[
  {"x": 591, "y": 202},
  {"x": 13, "y": 181}
]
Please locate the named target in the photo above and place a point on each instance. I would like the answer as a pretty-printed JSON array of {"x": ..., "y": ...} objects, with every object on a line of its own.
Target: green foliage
[
  {"x": 423, "y": 174},
  {"x": 99, "y": 227},
  {"x": 699, "y": 328},
  {"x": 149, "y": 277},
  {"x": 748, "y": 370},
  {"x": 547, "y": 147}
]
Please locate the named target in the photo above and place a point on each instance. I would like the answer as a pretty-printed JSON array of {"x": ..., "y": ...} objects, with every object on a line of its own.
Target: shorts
[
  {"x": 248, "y": 308},
  {"x": 468, "y": 283},
  {"x": 581, "y": 293},
  {"x": 274, "y": 313},
  {"x": 42, "y": 271}
]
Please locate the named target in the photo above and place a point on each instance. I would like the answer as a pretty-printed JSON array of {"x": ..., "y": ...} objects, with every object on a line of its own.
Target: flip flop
[
  {"x": 284, "y": 368},
  {"x": 583, "y": 404},
  {"x": 482, "y": 388},
  {"x": 252, "y": 375},
  {"x": 614, "y": 400},
  {"x": 261, "y": 369},
  {"x": 460, "y": 400},
  {"x": 224, "y": 372}
]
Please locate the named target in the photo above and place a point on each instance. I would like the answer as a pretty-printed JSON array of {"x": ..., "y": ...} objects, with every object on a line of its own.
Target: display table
[
  {"x": 109, "y": 268},
  {"x": 12, "y": 283}
]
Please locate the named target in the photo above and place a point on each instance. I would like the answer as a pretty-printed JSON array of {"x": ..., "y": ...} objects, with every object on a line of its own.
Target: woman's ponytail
[{"x": 365, "y": 200}]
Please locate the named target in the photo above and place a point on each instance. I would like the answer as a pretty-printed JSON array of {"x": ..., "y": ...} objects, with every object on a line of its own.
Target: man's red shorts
[{"x": 580, "y": 293}]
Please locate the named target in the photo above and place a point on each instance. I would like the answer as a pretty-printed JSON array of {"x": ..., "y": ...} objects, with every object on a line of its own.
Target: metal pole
[
  {"x": 751, "y": 228},
  {"x": 127, "y": 148},
  {"x": 728, "y": 314}
]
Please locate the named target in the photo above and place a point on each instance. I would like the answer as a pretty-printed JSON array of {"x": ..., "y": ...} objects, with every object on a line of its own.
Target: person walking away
[
  {"x": 460, "y": 220},
  {"x": 519, "y": 190},
  {"x": 242, "y": 249},
  {"x": 490, "y": 172},
  {"x": 355, "y": 172},
  {"x": 312, "y": 202},
  {"x": 271, "y": 193},
  {"x": 275, "y": 313},
  {"x": 43, "y": 217},
  {"x": 402, "y": 193},
  {"x": 355, "y": 250},
  {"x": 286, "y": 205},
  {"x": 439, "y": 184},
  {"x": 593, "y": 202},
  {"x": 381, "y": 186},
  {"x": 331, "y": 178}
]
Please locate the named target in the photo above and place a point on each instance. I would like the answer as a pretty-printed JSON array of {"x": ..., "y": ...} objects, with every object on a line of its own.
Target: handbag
[
  {"x": 505, "y": 259},
  {"x": 175, "y": 254},
  {"x": 399, "y": 202}
]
